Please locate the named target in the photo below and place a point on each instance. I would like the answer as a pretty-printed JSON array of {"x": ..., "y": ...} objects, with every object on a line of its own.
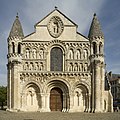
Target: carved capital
[{"x": 97, "y": 62}]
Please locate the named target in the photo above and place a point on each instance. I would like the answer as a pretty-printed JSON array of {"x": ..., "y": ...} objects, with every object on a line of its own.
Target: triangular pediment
[
  {"x": 56, "y": 12},
  {"x": 65, "y": 31}
]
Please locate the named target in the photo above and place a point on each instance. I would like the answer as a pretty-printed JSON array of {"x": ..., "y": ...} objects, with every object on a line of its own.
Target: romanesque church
[{"x": 56, "y": 68}]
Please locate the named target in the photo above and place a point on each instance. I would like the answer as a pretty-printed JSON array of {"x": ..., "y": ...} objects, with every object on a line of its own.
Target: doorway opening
[{"x": 56, "y": 99}]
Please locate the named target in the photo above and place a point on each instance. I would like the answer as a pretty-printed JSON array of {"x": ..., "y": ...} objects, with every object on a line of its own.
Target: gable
[
  {"x": 66, "y": 29},
  {"x": 56, "y": 12}
]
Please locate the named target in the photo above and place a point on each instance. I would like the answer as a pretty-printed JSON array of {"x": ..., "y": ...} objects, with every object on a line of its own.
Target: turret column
[
  {"x": 9, "y": 47},
  {"x": 97, "y": 86},
  {"x": 15, "y": 93}
]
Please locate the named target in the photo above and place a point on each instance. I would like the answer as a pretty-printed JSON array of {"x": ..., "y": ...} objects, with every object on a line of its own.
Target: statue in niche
[
  {"x": 30, "y": 66},
  {"x": 80, "y": 67},
  {"x": 70, "y": 55},
  {"x": 55, "y": 26},
  {"x": 76, "y": 67},
  {"x": 78, "y": 54},
  {"x": 85, "y": 67},
  {"x": 85, "y": 54},
  {"x": 34, "y": 53},
  {"x": 41, "y": 66},
  {"x": 35, "y": 66},
  {"x": 25, "y": 67},
  {"x": 27, "y": 55},
  {"x": 41, "y": 54},
  {"x": 70, "y": 67}
]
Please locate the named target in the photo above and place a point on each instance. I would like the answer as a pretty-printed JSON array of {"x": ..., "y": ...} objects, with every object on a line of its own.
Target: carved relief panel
[{"x": 55, "y": 26}]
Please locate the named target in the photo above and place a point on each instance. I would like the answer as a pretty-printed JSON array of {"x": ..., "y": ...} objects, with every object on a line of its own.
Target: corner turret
[
  {"x": 95, "y": 29},
  {"x": 16, "y": 30},
  {"x": 14, "y": 41},
  {"x": 96, "y": 38}
]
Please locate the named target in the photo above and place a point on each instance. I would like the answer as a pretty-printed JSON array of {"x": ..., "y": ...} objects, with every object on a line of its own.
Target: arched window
[
  {"x": 94, "y": 48},
  {"x": 13, "y": 47},
  {"x": 56, "y": 59},
  {"x": 19, "y": 48},
  {"x": 100, "y": 48}
]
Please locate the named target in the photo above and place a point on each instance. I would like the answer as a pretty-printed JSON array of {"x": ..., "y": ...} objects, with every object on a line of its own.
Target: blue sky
[{"x": 79, "y": 11}]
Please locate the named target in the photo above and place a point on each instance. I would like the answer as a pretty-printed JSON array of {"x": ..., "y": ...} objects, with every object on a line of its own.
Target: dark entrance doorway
[{"x": 56, "y": 99}]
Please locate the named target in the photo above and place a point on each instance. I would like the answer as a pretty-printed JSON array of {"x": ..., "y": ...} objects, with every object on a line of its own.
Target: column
[
  {"x": 42, "y": 102},
  {"x": 84, "y": 101},
  {"x": 9, "y": 86},
  {"x": 23, "y": 102},
  {"x": 10, "y": 48},
  {"x": 97, "y": 86},
  {"x": 93, "y": 89},
  {"x": 67, "y": 102},
  {"x": 87, "y": 102},
  {"x": 47, "y": 102},
  {"x": 64, "y": 103},
  {"x": 16, "y": 48},
  {"x": 97, "y": 48},
  {"x": 92, "y": 48},
  {"x": 102, "y": 85},
  {"x": 15, "y": 94},
  {"x": 89, "y": 107},
  {"x": 71, "y": 103}
]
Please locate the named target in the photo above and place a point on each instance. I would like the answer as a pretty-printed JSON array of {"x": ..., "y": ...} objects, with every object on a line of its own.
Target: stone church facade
[{"x": 56, "y": 68}]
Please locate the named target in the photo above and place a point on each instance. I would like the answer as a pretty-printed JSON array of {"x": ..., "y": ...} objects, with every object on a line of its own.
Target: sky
[{"x": 79, "y": 11}]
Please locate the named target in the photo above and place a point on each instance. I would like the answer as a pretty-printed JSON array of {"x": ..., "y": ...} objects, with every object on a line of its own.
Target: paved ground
[{"x": 58, "y": 116}]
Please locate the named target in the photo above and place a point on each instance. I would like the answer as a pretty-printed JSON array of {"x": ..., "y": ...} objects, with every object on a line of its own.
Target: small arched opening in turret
[
  {"x": 19, "y": 48},
  {"x": 94, "y": 48},
  {"x": 100, "y": 48},
  {"x": 13, "y": 47}
]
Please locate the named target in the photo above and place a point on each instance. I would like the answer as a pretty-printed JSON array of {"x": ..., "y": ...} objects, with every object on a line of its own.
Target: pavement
[{"x": 5, "y": 115}]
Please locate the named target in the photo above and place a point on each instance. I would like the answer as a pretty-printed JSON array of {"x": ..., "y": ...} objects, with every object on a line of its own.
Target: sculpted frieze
[{"x": 32, "y": 77}]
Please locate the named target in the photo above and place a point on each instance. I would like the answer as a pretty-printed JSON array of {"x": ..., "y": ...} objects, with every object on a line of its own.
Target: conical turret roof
[
  {"x": 16, "y": 30},
  {"x": 95, "y": 29}
]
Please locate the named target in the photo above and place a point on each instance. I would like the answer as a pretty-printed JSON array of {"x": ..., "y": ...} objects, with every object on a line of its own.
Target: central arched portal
[{"x": 56, "y": 99}]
